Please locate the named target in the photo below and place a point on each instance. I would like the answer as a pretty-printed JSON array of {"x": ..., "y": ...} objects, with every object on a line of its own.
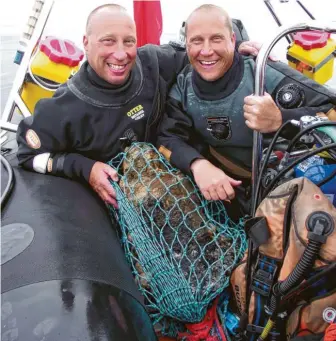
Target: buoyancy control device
[
  {"x": 285, "y": 287},
  {"x": 291, "y": 282}
]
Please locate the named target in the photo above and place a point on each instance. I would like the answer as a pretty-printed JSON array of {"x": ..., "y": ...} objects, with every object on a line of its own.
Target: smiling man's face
[
  {"x": 110, "y": 45},
  {"x": 210, "y": 44}
]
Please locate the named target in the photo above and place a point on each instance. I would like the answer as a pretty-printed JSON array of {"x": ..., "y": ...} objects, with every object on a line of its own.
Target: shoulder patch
[{"x": 32, "y": 139}]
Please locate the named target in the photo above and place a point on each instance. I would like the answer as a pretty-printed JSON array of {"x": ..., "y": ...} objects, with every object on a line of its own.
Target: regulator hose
[
  {"x": 306, "y": 130},
  {"x": 320, "y": 225},
  {"x": 299, "y": 160},
  {"x": 255, "y": 202},
  {"x": 265, "y": 163}
]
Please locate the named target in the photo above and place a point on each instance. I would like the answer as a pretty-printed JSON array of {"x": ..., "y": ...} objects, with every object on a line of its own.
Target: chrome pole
[{"x": 259, "y": 83}]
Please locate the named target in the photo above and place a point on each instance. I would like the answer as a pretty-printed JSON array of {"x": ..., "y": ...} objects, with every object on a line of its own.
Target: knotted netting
[{"x": 181, "y": 248}]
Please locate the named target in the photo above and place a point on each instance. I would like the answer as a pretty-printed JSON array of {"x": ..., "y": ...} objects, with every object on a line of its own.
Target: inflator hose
[
  {"x": 316, "y": 237},
  {"x": 305, "y": 264}
]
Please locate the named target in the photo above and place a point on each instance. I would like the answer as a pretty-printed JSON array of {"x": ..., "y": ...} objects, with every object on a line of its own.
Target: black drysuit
[{"x": 85, "y": 119}]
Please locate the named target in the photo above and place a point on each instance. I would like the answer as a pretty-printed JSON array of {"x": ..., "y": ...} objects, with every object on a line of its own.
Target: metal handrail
[{"x": 259, "y": 83}]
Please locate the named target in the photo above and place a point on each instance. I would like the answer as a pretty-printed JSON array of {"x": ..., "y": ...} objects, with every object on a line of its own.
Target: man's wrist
[
  {"x": 195, "y": 164},
  {"x": 279, "y": 121}
]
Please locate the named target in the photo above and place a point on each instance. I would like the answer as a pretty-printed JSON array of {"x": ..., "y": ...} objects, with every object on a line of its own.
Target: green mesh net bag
[{"x": 181, "y": 248}]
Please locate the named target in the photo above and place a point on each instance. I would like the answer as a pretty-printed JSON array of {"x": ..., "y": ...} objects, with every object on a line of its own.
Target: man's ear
[
  {"x": 85, "y": 43},
  {"x": 233, "y": 38}
]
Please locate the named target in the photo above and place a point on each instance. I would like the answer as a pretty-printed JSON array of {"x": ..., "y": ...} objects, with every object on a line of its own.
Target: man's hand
[
  {"x": 252, "y": 48},
  {"x": 212, "y": 181},
  {"x": 262, "y": 114},
  {"x": 99, "y": 181}
]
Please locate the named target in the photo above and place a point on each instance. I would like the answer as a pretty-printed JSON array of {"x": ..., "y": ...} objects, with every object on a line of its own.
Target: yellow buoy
[
  {"x": 52, "y": 64},
  {"x": 313, "y": 54}
]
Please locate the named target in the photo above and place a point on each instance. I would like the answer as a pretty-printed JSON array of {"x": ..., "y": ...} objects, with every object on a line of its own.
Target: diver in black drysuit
[
  {"x": 119, "y": 93},
  {"x": 85, "y": 119},
  {"x": 74, "y": 133},
  {"x": 205, "y": 119}
]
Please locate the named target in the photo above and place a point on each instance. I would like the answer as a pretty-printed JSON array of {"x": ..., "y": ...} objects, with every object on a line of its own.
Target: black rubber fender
[{"x": 63, "y": 269}]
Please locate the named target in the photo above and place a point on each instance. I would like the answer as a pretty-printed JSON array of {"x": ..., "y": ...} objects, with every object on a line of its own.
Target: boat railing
[
  {"x": 31, "y": 36},
  {"x": 259, "y": 83}
]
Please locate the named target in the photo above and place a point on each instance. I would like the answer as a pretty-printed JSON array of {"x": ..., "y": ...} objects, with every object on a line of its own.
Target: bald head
[
  {"x": 99, "y": 13},
  {"x": 209, "y": 8},
  {"x": 210, "y": 41},
  {"x": 110, "y": 43}
]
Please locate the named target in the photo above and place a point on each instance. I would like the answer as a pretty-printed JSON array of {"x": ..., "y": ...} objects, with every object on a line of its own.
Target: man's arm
[
  {"x": 171, "y": 61},
  {"x": 175, "y": 136},
  {"x": 176, "y": 144},
  {"x": 47, "y": 143},
  {"x": 262, "y": 113},
  {"x": 314, "y": 97}
]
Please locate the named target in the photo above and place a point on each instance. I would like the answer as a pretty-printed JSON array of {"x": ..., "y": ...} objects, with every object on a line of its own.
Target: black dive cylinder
[{"x": 64, "y": 275}]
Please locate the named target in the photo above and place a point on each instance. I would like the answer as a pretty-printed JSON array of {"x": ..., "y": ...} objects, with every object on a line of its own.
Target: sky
[
  {"x": 68, "y": 17},
  {"x": 253, "y": 13}
]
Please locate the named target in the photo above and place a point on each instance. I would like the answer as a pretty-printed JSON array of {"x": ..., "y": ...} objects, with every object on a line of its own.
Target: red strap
[
  {"x": 330, "y": 334},
  {"x": 200, "y": 331}
]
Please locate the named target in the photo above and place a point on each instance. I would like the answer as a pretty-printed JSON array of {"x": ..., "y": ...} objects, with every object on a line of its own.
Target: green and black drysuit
[{"x": 202, "y": 114}]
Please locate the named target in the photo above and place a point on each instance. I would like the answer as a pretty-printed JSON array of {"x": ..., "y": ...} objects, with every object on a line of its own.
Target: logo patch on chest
[
  {"x": 219, "y": 127},
  {"x": 136, "y": 113}
]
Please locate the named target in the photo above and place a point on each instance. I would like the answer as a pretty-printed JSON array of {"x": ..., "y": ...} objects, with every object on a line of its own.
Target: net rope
[{"x": 181, "y": 248}]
